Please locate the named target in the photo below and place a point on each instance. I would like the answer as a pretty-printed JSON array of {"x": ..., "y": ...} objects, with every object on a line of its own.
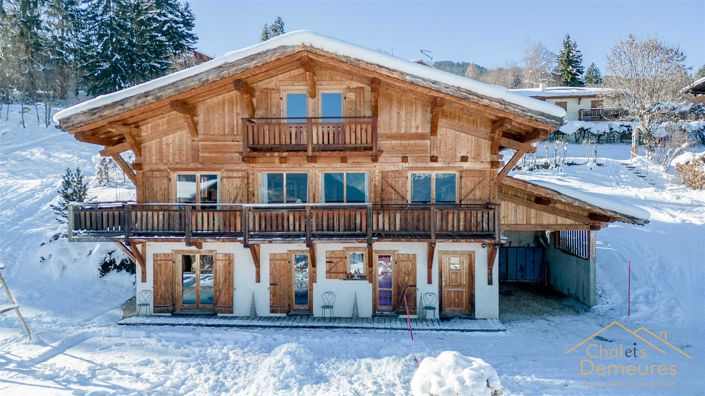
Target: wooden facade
[{"x": 234, "y": 125}]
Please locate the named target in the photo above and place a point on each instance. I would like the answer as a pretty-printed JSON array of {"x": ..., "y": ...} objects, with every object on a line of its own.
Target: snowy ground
[{"x": 79, "y": 349}]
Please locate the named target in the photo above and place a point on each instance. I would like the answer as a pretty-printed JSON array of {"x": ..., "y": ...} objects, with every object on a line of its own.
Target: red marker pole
[{"x": 629, "y": 288}]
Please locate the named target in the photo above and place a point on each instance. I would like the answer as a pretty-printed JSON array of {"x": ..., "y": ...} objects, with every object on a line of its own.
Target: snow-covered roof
[
  {"x": 697, "y": 87},
  {"x": 560, "y": 92},
  {"x": 331, "y": 45},
  {"x": 597, "y": 200}
]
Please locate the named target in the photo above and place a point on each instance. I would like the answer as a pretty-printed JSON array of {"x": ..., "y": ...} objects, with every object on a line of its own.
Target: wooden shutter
[
  {"x": 405, "y": 278},
  {"x": 475, "y": 186},
  {"x": 336, "y": 264},
  {"x": 268, "y": 103},
  {"x": 279, "y": 282},
  {"x": 354, "y": 102},
  {"x": 394, "y": 187},
  {"x": 164, "y": 296},
  {"x": 233, "y": 187},
  {"x": 223, "y": 287},
  {"x": 156, "y": 186}
]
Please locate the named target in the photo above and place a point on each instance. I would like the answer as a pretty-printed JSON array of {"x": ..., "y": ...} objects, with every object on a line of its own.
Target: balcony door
[
  {"x": 457, "y": 283},
  {"x": 296, "y": 110},
  {"x": 384, "y": 282},
  {"x": 301, "y": 287},
  {"x": 196, "y": 282}
]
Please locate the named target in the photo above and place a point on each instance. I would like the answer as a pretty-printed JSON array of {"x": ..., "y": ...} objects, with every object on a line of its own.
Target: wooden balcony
[
  {"x": 292, "y": 222},
  {"x": 309, "y": 135},
  {"x": 600, "y": 114}
]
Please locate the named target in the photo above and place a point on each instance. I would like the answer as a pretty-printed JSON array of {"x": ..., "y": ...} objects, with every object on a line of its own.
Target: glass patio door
[
  {"x": 301, "y": 282},
  {"x": 197, "y": 282},
  {"x": 384, "y": 283}
]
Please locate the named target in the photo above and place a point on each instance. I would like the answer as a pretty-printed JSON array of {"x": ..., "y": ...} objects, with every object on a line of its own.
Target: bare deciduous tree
[
  {"x": 644, "y": 75},
  {"x": 539, "y": 63}
]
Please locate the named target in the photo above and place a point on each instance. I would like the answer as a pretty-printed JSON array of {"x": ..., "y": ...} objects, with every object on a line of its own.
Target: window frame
[
  {"x": 433, "y": 174},
  {"x": 296, "y": 91},
  {"x": 349, "y": 251},
  {"x": 562, "y": 104},
  {"x": 322, "y": 189},
  {"x": 198, "y": 187},
  {"x": 260, "y": 190},
  {"x": 331, "y": 91}
]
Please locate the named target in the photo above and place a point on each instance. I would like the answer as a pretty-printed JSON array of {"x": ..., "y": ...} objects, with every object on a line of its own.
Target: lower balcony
[
  {"x": 600, "y": 114},
  {"x": 291, "y": 222}
]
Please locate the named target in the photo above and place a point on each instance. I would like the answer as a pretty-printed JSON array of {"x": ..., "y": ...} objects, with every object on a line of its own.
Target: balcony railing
[
  {"x": 309, "y": 134},
  {"x": 600, "y": 114},
  {"x": 255, "y": 222}
]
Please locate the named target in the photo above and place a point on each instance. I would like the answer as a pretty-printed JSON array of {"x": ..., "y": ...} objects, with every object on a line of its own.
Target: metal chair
[
  {"x": 429, "y": 301},
  {"x": 145, "y": 301},
  {"x": 328, "y": 303}
]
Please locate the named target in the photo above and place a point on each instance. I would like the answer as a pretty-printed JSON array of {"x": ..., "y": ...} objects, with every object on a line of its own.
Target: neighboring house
[
  {"x": 697, "y": 89},
  {"x": 304, "y": 165}
]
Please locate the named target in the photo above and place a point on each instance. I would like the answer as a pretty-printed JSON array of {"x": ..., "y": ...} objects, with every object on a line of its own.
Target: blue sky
[{"x": 490, "y": 33}]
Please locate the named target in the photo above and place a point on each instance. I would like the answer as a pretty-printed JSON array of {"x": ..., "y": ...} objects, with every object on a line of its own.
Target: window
[
  {"x": 197, "y": 188},
  {"x": 595, "y": 104},
  {"x": 284, "y": 188},
  {"x": 332, "y": 106},
  {"x": 356, "y": 260},
  {"x": 434, "y": 187},
  {"x": 564, "y": 105},
  {"x": 345, "y": 187},
  {"x": 296, "y": 106}
]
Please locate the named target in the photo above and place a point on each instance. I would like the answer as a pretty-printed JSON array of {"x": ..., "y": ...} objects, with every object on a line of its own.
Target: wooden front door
[
  {"x": 384, "y": 282},
  {"x": 301, "y": 287},
  {"x": 223, "y": 291},
  {"x": 405, "y": 283},
  {"x": 457, "y": 283},
  {"x": 279, "y": 283},
  {"x": 196, "y": 282}
]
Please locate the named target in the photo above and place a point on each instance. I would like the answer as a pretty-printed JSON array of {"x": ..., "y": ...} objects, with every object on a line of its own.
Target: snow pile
[
  {"x": 286, "y": 370},
  {"x": 597, "y": 128},
  {"x": 686, "y": 158},
  {"x": 328, "y": 44},
  {"x": 452, "y": 374}
]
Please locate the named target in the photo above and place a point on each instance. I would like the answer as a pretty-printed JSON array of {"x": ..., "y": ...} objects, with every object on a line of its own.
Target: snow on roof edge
[
  {"x": 640, "y": 215},
  {"x": 328, "y": 44}
]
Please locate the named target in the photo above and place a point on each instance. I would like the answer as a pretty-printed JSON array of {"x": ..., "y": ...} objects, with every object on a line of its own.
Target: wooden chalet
[{"x": 305, "y": 167}]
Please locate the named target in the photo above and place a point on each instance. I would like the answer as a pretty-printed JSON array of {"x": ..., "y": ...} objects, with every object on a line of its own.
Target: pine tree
[
  {"x": 73, "y": 189},
  {"x": 569, "y": 64},
  {"x": 63, "y": 26},
  {"x": 273, "y": 30},
  {"x": 150, "y": 54},
  {"x": 593, "y": 76},
  {"x": 108, "y": 66}
]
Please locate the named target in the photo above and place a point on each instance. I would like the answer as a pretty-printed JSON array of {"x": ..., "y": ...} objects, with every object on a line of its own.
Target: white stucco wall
[{"x": 486, "y": 296}]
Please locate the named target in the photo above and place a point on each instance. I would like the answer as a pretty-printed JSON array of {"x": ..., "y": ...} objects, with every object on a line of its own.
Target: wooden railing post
[
  {"x": 308, "y": 224},
  {"x": 433, "y": 223},
  {"x": 496, "y": 210},
  {"x": 374, "y": 138},
  {"x": 245, "y": 137},
  {"x": 369, "y": 224},
  {"x": 245, "y": 227},
  {"x": 309, "y": 136},
  {"x": 187, "y": 224},
  {"x": 127, "y": 222}
]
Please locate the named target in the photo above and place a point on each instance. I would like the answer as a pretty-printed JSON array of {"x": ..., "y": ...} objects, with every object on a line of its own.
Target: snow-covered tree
[
  {"x": 64, "y": 18},
  {"x": 700, "y": 73},
  {"x": 593, "y": 76},
  {"x": 73, "y": 189},
  {"x": 647, "y": 77},
  {"x": 273, "y": 30},
  {"x": 569, "y": 64},
  {"x": 539, "y": 63}
]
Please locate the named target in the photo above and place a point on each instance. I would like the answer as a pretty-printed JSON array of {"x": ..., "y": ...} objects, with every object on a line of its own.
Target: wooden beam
[
  {"x": 535, "y": 135},
  {"x": 137, "y": 257},
  {"x": 601, "y": 217},
  {"x": 116, "y": 149},
  {"x": 374, "y": 87},
  {"x": 513, "y": 144},
  {"x": 189, "y": 114},
  {"x": 312, "y": 257},
  {"x": 254, "y": 251},
  {"x": 128, "y": 132},
  {"x": 125, "y": 167},
  {"x": 431, "y": 250},
  {"x": 436, "y": 109},
  {"x": 491, "y": 256},
  {"x": 542, "y": 201},
  {"x": 498, "y": 127},
  {"x": 508, "y": 167},
  {"x": 370, "y": 258},
  {"x": 86, "y": 138},
  {"x": 310, "y": 76},
  {"x": 248, "y": 95}
]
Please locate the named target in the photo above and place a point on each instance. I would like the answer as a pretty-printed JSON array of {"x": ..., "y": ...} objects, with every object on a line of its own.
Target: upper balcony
[
  {"x": 309, "y": 135},
  {"x": 289, "y": 222},
  {"x": 600, "y": 114}
]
